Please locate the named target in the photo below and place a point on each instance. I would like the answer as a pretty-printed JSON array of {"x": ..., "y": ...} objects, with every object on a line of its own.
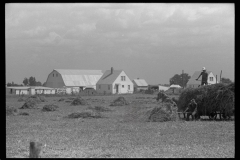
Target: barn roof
[
  {"x": 108, "y": 78},
  {"x": 140, "y": 82},
  {"x": 16, "y": 87},
  {"x": 195, "y": 75},
  {"x": 80, "y": 77}
]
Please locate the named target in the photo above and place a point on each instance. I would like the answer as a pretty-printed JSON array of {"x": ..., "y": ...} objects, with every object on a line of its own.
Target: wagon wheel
[{"x": 212, "y": 116}]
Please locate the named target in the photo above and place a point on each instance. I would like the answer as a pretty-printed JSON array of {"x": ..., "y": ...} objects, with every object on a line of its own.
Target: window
[
  {"x": 128, "y": 87},
  {"x": 122, "y": 86},
  {"x": 56, "y": 74},
  {"x": 211, "y": 78},
  {"x": 108, "y": 87},
  {"x": 123, "y": 78}
]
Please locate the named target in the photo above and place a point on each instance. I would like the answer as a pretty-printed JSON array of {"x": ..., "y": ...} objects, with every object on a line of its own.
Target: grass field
[{"x": 122, "y": 132}]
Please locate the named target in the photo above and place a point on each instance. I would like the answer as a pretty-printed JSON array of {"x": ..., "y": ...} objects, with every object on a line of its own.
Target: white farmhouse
[
  {"x": 140, "y": 84},
  {"x": 193, "y": 83},
  {"x": 114, "y": 82},
  {"x": 73, "y": 80}
]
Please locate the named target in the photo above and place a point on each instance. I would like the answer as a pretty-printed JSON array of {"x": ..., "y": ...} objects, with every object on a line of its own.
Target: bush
[{"x": 211, "y": 98}]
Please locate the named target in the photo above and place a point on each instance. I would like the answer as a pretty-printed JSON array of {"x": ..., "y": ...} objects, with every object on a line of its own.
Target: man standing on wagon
[{"x": 204, "y": 75}]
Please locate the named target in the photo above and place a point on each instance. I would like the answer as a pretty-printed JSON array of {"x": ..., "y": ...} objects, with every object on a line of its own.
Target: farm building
[
  {"x": 139, "y": 84},
  {"x": 114, "y": 82},
  {"x": 29, "y": 90},
  {"x": 193, "y": 83},
  {"x": 73, "y": 80},
  {"x": 163, "y": 88}
]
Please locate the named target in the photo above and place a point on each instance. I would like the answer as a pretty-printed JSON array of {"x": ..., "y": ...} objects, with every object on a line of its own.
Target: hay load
[
  {"x": 120, "y": 101},
  {"x": 78, "y": 101},
  {"x": 49, "y": 108},
  {"x": 210, "y": 99}
]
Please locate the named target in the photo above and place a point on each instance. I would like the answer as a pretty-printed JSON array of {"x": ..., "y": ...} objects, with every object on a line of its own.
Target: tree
[
  {"x": 180, "y": 79},
  {"x": 226, "y": 80},
  {"x": 32, "y": 81},
  {"x": 38, "y": 83},
  {"x": 44, "y": 84},
  {"x": 25, "y": 81}
]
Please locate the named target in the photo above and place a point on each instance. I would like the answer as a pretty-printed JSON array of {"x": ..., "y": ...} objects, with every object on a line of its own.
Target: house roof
[
  {"x": 195, "y": 75},
  {"x": 163, "y": 88},
  {"x": 16, "y": 87},
  {"x": 80, "y": 77},
  {"x": 108, "y": 78},
  {"x": 175, "y": 86},
  {"x": 140, "y": 82},
  {"x": 41, "y": 87}
]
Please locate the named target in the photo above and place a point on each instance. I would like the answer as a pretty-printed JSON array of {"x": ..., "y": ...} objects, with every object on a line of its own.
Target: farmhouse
[
  {"x": 114, "y": 82},
  {"x": 73, "y": 80},
  {"x": 193, "y": 83},
  {"x": 139, "y": 84}
]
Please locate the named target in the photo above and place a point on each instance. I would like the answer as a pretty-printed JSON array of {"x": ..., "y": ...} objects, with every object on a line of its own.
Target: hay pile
[
  {"x": 11, "y": 111},
  {"x": 20, "y": 99},
  {"x": 120, "y": 101},
  {"x": 49, "y": 108},
  {"x": 211, "y": 98},
  {"x": 61, "y": 99},
  {"x": 78, "y": 101},
  {"x": 29, "y": 104},
  {"x": 23, "y": 113},
  {"x": 85, "y": 114},
  {"x": 163, "y": 114},
  {"x": 100, "y": 108}
]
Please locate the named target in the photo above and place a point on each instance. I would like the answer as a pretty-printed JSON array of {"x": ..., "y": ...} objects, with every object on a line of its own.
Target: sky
[{"x": 153, "y": 41}]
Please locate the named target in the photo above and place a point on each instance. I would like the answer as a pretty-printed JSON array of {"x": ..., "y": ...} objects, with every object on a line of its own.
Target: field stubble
[{"x": 123, "y": 133}]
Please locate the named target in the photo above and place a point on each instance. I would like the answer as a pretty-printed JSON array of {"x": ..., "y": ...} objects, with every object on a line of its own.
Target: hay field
[{"x": 120, "y": 132}]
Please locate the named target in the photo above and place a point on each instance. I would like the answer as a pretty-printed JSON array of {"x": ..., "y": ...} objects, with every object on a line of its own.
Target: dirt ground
[{"x": 121, "y": 132}]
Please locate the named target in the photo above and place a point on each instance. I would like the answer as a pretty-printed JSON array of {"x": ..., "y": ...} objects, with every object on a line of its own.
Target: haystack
[
  {"x": 61, "y": 99},
  {"x": 49, "y": 108},
  {"x": 20, "y": 99},
  {"x": 120, "y": 101},
  {"x": 34, "y": 98},
  {"x": 78, "y": 101},
  {"x": 11, "y": 111},
  {"x": 29, "y": 104},
  {"x": 100, "y": 108},
  {"x": 210, "y": 99},
  {"x": 163, "y": 114},
  {"x": 85, "y": 114}
]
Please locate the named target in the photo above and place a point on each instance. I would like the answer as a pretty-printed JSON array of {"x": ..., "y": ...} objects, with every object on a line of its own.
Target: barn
[
  {"x": 139, "y": 84},
  {"x": 29, "y": 90},
  {"x": 193, "y": 83},
  {"x": 114, "y": 82},
  {"x": 73, "y": 80}
]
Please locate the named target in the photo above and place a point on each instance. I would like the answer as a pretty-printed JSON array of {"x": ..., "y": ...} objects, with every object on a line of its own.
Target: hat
[{"x": 203, "y": 68}]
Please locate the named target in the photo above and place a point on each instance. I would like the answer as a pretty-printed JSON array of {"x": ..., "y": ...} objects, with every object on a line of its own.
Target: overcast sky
[{"x": 153, "y": 41}]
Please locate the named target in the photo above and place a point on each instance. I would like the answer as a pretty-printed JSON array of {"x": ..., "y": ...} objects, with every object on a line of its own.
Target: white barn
[
  {"x": 114, "y": 82},
  {"x": 73, "y": 80},
  {"x": 193, "y": 83}
]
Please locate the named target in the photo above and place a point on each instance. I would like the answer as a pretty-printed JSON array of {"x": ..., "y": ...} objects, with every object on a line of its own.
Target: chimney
[{"x": 111, "y": 70}]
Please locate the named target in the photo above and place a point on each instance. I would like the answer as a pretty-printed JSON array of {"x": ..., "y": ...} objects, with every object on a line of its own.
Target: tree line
[{"x": 31, "y": 81}]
